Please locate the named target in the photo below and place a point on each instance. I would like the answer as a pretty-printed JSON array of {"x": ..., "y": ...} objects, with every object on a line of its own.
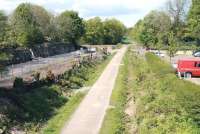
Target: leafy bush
[
  {"x": 30, "y": 108},
  {"x": 50, "y": 76},
  {"x": 79, "y": 75},
  {"x": 36, "y": 76},
  {"x": 5, "y": 56},
  {"x": 18, "y": 82}
]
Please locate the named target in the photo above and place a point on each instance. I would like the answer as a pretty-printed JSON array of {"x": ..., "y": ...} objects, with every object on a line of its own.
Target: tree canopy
[
  {"x": 43, "y": 18},
  {"x": 24, "y": 27},
  {"x": 194, "y": 21},
  {"x": 114, "y": 31},
  {"x": 153, "y": 29},
  {"x": 110, "y": 31},
  {"x": 3, "y": 25},
  {"x": 157, "y": 27},
  {"x": 94, "y": 31},
  {"x": 70, "y": 26},
  {"x": 30, "y": 24}
]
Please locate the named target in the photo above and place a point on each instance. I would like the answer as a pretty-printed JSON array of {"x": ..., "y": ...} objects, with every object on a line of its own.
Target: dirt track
[{"x": 88, "y": 117}]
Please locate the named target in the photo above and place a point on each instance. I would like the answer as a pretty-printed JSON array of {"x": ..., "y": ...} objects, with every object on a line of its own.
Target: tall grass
[
  {"x": 165, "y": 104},
  {"x": 114, "y": 119}
]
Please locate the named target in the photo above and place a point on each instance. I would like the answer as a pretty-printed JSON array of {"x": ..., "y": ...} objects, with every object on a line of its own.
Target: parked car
[
  {"x": 78, "y": 54},
  {"x": 196, "y": 54},
  {"x": 92, "y": 50},
  {"x": 159, "y": 54},
  {"x": 188, "y": 67}
]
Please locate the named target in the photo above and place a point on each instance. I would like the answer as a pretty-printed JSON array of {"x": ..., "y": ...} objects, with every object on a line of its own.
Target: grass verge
[
  {"x": 114, "y": 118},
  {"x": 98, "y": 70},
  {"x": 55, "y": 124}
]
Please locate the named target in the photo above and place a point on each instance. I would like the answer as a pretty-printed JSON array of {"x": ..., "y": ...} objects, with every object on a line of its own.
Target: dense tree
[
  {"x": 94, "y": 31},
  {"x": 54, "y": 33},
  {"x": 136, "y": 31},
  {"x": 24, "y": 27},
  {"x": 194, "y": 21},
  {"x": 3, "y": 25},
  {"x": 160, "y": 28},
  {"x": 114, "y": 31},
  {"x": 43, "y": 19},
  {"x": 30, "y": 24},
  {"x": 153, "y": 29},
  {"x": 70, "y": 26},
  {"x": 177, "y": 9},
  {"x": 173, "y": 45},
  {"x": 110, "y": 31}
]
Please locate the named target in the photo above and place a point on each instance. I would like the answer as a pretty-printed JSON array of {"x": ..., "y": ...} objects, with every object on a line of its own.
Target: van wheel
[{"x": 188, "y": 75}]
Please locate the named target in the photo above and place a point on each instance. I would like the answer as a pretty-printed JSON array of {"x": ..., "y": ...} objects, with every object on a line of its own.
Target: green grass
[
  {"x": 113, "y": 121},
  {"x": 165, "y": 104},
  {"x": 29, "y": 108},
  {"x": 55, "y": 124},
  {"x": 97, "y": 72}
]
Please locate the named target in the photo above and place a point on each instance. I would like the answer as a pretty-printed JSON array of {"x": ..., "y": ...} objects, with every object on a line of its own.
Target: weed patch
[{"x": 165, "y": 104}]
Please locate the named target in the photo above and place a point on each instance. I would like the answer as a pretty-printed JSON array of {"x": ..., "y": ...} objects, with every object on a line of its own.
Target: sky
[{"x": 127, "y": 11}]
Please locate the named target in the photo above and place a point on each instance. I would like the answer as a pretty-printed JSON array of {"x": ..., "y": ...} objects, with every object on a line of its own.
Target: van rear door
[{"x": 196, "y": 71}]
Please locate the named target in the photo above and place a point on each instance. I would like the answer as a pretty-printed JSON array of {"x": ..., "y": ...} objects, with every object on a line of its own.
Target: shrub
[
  {"x": 50, "y": 76},
  {"x": 18, "y": 82},
  {"x": 79, "y": 75},
  {"x": 36, "y": 76},
  {"x": 5, "y": 56}
]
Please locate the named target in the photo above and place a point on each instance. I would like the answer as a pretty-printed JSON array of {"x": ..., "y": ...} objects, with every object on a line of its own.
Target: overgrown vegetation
[
  {"x": 28, "y": 107},
  {"x": 5, "y": 56},
  {"x": 162, "y": 103},
  {"x": 165, "y": 104}
]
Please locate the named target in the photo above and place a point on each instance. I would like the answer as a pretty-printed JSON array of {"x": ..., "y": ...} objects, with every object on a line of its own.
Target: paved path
[{"x": 88, "y": 117}]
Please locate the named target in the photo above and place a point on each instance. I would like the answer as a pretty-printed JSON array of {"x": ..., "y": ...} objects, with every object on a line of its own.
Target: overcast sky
[{"x": 128, "y": 11}]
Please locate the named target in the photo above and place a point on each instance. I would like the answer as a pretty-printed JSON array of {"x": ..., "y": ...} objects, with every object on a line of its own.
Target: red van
[{"x": 189, "y": 67}]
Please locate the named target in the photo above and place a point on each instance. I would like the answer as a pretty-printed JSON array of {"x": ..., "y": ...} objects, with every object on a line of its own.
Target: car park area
[{"x": 190, "y": 63}]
